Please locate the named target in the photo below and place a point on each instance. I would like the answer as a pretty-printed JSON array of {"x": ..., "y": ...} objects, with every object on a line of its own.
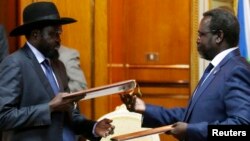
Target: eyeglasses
[{"x": 200, "y": 33}]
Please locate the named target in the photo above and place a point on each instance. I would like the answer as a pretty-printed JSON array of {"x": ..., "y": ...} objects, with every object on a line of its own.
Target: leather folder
[
  {"x": 115, "y": 88},
  {"x": 138, "y": 134}
]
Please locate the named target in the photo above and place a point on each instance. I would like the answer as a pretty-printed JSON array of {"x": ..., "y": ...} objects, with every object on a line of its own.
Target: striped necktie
[
  {"x": 50, "y": 76},
  {"x": 68, "y": 135}
]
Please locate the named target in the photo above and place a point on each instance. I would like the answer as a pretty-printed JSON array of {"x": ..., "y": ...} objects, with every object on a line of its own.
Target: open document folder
[
  {"x": 127, "y": 86},
  {"x": 143, "y": 133}
]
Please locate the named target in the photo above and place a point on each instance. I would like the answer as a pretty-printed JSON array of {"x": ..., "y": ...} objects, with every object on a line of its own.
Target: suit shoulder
[
  {"x": 67, "y": 50},
  {"x": 66, "y": 54}
]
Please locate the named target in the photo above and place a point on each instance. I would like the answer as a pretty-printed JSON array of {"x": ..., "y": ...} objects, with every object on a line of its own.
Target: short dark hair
[{"x": 225, "y": 20}]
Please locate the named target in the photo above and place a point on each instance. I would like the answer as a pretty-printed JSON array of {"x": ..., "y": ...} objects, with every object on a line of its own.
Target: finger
[
  {"x": 107, "y": 133},
  {"x": 111, "y": 132},
  {"x": 122, "y": 97},
  {"x": 129, "y": 107},
  {"x": 108, "y": 121},
  {"x": 128, "y": 98},
  {"x": 112, "y": 129},
  {"x": 134, "y": 100},
  {"x": 109, "y": 129},
  {"x": 131, "y": 103},
  {"x": 125, "y": 99}
]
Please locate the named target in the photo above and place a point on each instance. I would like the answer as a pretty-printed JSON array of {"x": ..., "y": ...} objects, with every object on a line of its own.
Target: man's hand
[
  {"x": 179, "y": 130},
  {"x": 104, "y": 128},
  {"x": 60, "y": 104},
  {"x": 133, "y": 103}
]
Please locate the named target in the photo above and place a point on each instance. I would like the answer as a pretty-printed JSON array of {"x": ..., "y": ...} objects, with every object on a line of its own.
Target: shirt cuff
[{"x": 93, "y": 130}]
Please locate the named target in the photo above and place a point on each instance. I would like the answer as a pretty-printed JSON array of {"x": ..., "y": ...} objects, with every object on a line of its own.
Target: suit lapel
[
  {"x": 57, "y": 70},
  {"x": 200, "y": 90},
  {"x": 37, "y": 67}
]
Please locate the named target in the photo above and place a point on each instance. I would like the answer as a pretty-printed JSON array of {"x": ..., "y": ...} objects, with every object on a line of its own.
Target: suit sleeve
[
  {"x": 156, "y": 116},
  {"x": 83, "y": 126},
  {"x": 12, "y": 115}
]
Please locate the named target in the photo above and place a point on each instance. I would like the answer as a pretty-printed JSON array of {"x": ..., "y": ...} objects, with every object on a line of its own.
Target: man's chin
[
  {"x": 53, "y": 55},
  {"x": 57, "y": 48}
]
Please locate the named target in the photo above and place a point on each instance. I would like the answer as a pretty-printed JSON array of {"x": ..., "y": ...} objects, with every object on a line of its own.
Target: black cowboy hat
[{"x": 40, "y": 13}]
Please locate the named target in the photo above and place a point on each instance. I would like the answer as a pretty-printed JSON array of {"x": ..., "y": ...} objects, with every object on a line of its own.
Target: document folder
[
  {"x": 138, "y": 134},
  {"x": 115, "y": 88}
]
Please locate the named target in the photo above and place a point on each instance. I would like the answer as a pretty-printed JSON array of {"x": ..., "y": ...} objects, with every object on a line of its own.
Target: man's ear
[{"x": 220, "y": 36}]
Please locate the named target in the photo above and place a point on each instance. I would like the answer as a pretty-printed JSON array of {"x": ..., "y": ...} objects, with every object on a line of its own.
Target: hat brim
[{"x": 22, "y": 29}]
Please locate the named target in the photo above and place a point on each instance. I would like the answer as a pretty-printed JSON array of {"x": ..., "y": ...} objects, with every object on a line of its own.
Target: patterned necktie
[
  {"x": 50, "y": 76},
  {"x": 206, "y": 72}
]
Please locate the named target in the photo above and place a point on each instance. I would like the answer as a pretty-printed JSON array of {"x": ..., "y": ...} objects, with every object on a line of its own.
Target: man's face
[
  {"x": 49, "y": 41},
  {"x": 206, "y": 41}
]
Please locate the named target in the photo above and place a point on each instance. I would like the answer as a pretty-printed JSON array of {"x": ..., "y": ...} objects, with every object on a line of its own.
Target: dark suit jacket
[
  {"x": 224, "y": 98},
  {"x": 24, "y": 96},
  {"x": 3, "y": 44}
]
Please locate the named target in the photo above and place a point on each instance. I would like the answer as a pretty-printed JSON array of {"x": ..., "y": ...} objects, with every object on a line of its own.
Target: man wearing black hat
[{"x": 33, "y": 81}]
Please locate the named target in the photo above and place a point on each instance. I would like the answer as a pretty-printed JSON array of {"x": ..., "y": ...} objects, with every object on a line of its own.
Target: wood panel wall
[{"x": 149, "y": 41}]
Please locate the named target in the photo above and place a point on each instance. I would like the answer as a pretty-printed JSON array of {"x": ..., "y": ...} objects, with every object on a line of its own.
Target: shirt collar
[
  {"x": 219, "y": 57},
  {"x": 39, "y": 56}
]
